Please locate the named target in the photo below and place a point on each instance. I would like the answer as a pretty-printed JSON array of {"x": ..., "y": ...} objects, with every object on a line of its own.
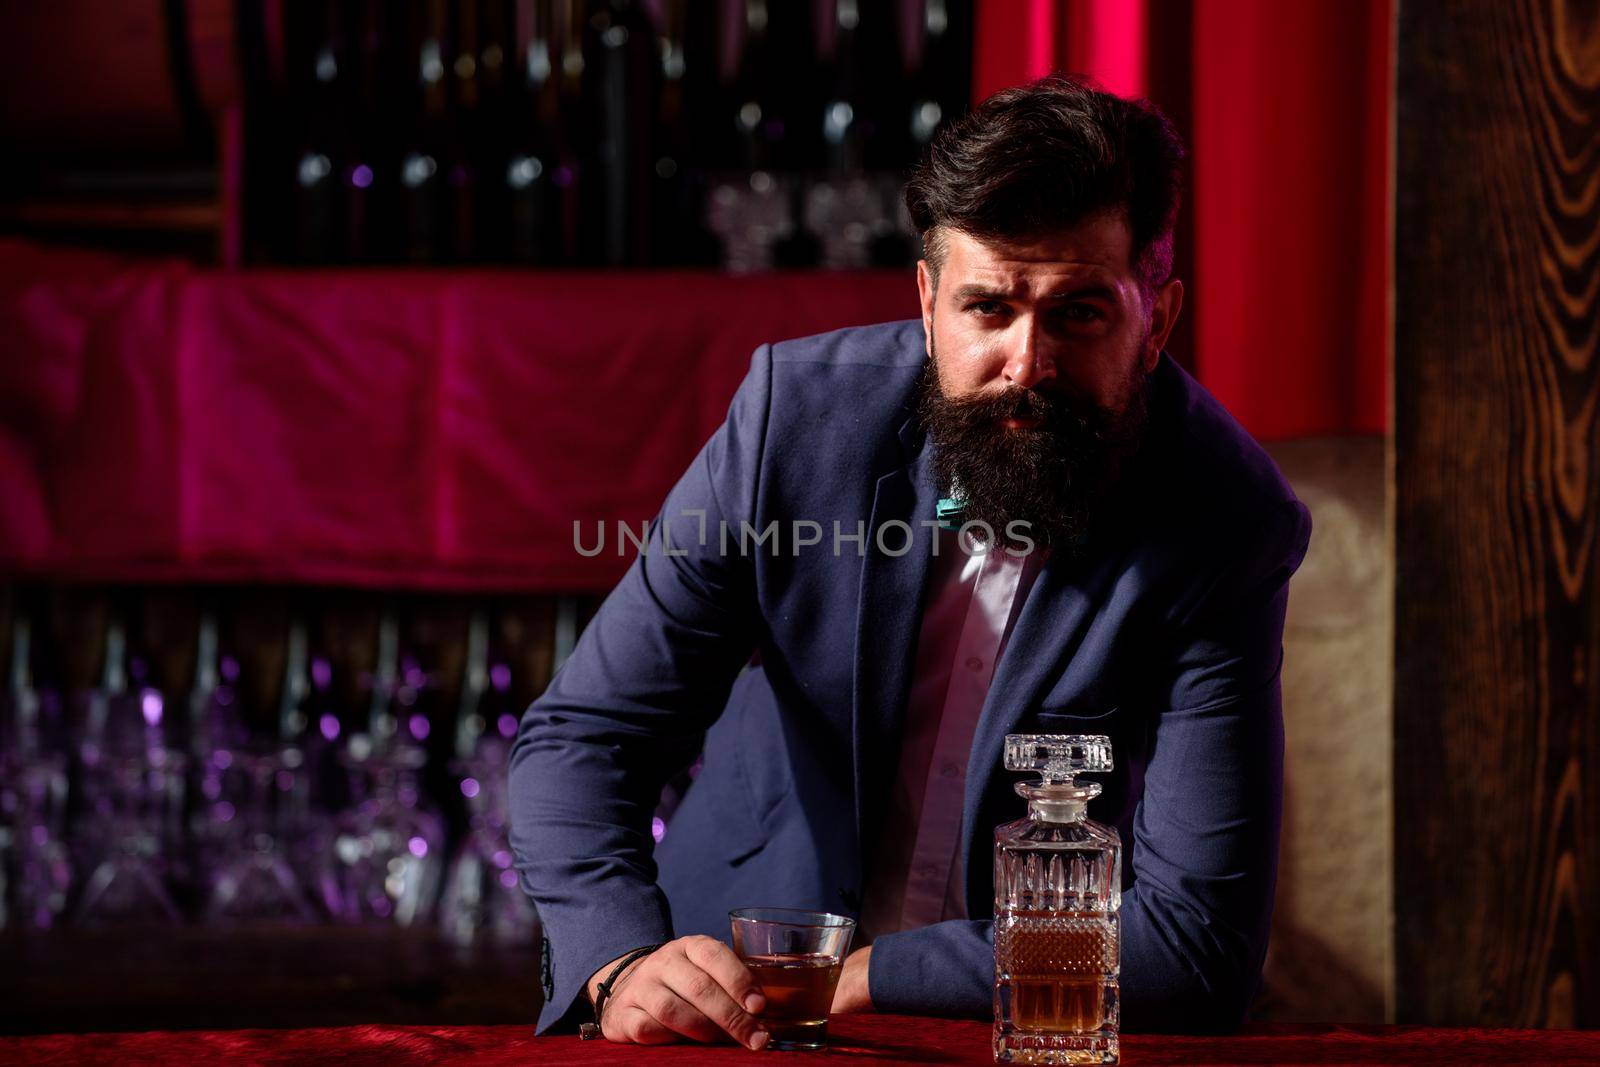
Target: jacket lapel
[
  {"x": 888, "y": 615},
  {"x": 1048, "y": 631}
]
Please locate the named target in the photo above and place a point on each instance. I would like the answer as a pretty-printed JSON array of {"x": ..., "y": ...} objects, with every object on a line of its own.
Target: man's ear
[
  {"x": 925, "y": 292},
  {"x": 1163, "y": 315}
]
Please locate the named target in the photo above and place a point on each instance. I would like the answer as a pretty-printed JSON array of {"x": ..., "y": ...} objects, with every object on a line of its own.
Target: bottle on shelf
[
  {"x": 369, "y": 172},
  {"x": 319, "y": 60},
  {"x": 860, "y": 132},
  {"x": 267, "y": 144},
  {"x": 536, "y": 176},
  {"x": 939, "y": 62},
  {"x": 762, "y": 150},
  {"x": 421, "y": 176},
  {"x": 465, "y": 134},
  {"x": 689, "y": 93},
  {"x": 865, "y": 87},
  {"x": 489, "y": 142},
  {"x": 621, "y": 85},
  {"x": 757, "y": 124}
]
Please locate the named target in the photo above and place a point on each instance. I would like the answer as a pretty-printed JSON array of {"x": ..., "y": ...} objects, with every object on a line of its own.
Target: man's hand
[
  {"x": 853, "y": 993},
  {"x": 694, "y": 987}
]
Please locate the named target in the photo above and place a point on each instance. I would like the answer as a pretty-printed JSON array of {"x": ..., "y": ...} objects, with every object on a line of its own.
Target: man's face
[{"x": 1040, "y": 353}]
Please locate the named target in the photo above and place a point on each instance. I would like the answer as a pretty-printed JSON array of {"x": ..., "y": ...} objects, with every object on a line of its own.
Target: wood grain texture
[{"x": 1497, "y": 483}]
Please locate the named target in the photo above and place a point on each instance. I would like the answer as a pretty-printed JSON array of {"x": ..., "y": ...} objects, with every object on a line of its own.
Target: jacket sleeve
[
  {"x": 629, "y": 708},
  {"x": 1205, "y": 833}
]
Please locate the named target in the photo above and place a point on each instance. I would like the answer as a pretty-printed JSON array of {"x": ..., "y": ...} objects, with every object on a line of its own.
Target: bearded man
[{"x": 1016, "y": 514}]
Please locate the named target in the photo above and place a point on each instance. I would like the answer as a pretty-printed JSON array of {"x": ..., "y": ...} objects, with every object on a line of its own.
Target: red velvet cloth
[
  {"x": 396, "y": 428},
  {"x": 884, "y": 1039},
  {"x": 1288, "y": 113}
]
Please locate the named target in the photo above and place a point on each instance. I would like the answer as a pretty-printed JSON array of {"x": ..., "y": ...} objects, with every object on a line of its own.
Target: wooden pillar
[{"x": 1497, "y": 513}]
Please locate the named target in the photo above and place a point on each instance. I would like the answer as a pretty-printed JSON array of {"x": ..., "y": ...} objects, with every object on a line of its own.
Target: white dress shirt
[{"x": 916, "y": 875}]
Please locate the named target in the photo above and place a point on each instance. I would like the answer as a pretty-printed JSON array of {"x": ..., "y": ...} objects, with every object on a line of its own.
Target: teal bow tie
[{"x": 949, "y": 511}]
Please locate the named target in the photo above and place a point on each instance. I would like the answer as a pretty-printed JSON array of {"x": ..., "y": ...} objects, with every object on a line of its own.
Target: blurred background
[{"x": 328, "y": 325}]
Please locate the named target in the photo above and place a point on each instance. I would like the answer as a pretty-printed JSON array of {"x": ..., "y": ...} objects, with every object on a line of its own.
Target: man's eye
[
  {"x": 1081, "y": 313},
  {"x": 985, "y": 307}
]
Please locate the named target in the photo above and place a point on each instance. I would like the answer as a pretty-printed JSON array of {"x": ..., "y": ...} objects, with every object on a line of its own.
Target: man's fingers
[
  {"x": 631, "y": 1023},
  {"x": 671, "y": 1010},
  {"x": 720, "y": 962},
  {"x": 706, "y": 997},
  {"x": 694, "y": 988}
]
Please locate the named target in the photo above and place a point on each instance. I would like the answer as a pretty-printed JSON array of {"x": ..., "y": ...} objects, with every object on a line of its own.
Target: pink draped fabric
[{"x": 425, "y": 429}]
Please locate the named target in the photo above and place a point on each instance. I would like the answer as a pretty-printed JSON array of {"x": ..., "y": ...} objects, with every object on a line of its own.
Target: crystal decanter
[{"x": 1057, "y": 887}]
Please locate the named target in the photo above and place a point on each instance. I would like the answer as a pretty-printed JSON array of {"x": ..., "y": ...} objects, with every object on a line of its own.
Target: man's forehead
[{"x": 1096, "y": 250}]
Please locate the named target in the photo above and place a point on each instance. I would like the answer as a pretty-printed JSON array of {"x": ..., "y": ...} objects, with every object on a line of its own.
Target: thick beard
[{"x": 1051, "y": 476}]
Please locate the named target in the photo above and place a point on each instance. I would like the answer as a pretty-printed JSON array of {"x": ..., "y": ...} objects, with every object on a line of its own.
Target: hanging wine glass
[
  {"x": 482, "y": 899},
  {"x": 33, "y": 805},
  {"x": 138, "y": 799},
  {"x": 35, "y": 868},
  {"x": 133, "y": 790},
  {"x": 254, "y": 881},
  {"x": 384, "y": 861}
]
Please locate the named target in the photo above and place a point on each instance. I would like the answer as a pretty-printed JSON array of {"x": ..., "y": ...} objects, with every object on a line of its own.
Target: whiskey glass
[{"x": 796, "y": 957}]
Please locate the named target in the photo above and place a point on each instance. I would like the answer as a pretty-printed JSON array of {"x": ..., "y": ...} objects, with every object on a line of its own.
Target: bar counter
[{"x": 876, "y": 1039}]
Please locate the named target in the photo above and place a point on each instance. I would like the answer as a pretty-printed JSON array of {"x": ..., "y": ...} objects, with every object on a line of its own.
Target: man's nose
[{"x": 1028, "y": 361}]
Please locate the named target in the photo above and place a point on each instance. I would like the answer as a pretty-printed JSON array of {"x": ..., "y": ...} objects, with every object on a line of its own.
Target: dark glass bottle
[
  {"x": 756, "y": 119},
  {"x": 858, "y": 118},
  {"x": 620, "y": 87},
  {"x": 421, "y": 175},
  {"x": 689, "y": 95},
  {"x": 320, "y": 58},
  {"x": 567, "y": 23},
  {"x": 464, "y": 134},
  {"x": 268, "y": 142},
  {"x": 368, "y": 171},
  {"x": 535, "y": 128},
  {"x": 952, "y": 59},
  {"x": 940, "y": 75},
  {"x": 490, "y": 142}
]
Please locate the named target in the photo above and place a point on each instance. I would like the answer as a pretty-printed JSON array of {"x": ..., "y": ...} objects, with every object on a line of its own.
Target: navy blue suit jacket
[{"x": 789, "y": 666}]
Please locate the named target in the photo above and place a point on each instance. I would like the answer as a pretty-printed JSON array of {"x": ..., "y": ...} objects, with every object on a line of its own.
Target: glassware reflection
[
  {"x": 383, "y": 862},
  {"x": 482, "y": 899}
]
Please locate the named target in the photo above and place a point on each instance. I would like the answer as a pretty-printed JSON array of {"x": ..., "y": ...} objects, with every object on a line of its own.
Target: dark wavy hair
[{"x": 1045, "y": 156}]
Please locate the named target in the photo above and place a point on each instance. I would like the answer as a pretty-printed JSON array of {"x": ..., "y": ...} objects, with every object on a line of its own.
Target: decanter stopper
[{"x": 1058, "y": 757}]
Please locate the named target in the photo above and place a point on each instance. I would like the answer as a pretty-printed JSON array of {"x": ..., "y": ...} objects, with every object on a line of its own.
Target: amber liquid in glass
[
  {"x": 1055, "y": 967},
  {"x": 1057, "y": 1005},
  {"x": 799, "y": 990}
]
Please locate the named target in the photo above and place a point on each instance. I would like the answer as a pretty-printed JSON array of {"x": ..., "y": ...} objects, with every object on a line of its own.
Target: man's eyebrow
[
  {"x": 1086, "y": 291},
  {"x": 982, "y": 292}
]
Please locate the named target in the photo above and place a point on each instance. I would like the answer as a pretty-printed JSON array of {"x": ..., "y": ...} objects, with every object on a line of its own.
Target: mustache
[{"x": 1015, "y": 402}]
